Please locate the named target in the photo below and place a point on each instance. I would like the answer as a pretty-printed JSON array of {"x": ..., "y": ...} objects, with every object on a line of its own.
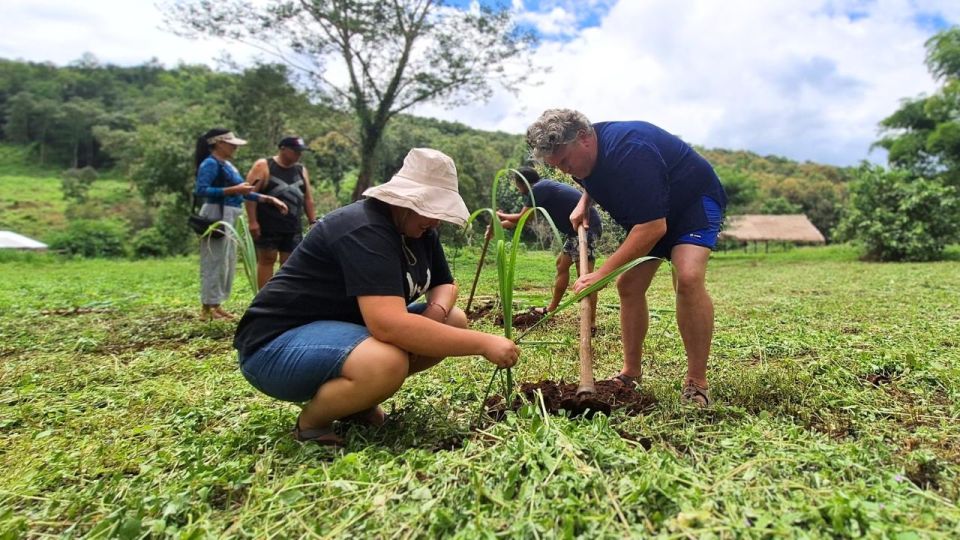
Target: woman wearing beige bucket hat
[{"x": 337, "y": 326}]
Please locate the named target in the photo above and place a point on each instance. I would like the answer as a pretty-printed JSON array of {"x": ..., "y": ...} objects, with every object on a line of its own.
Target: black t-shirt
[{"x": 353, "y": 251}]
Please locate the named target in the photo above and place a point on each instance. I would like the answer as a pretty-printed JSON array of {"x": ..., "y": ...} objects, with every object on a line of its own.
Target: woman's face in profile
[
  {"x": 226, "y": 149},
  {"x": 414, "y": 225}
]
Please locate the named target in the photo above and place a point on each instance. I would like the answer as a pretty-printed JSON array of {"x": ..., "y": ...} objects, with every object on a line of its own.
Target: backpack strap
[{"x": 216, "y": 183}]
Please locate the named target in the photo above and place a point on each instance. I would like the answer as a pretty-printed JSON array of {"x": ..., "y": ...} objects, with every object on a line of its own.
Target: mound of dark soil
[
  {"x": 561, "y": 396},
  {"x": 481, "y": 310},
  {"x": 521, "y": 321}
]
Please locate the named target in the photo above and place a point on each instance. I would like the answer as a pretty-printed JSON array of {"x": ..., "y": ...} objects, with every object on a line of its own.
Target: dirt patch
[
  {"x": 453, "y": 442},
  {"x": 66, "y": 312},
  {"x": 521, "y": 321},
  {"x": 645, "y": 442},
  {"x": 561, "y": 396},
  {"x": 481, "y": 310},
  {"x": 877, "y": 379},
  {"x": 925, "y": 475}
]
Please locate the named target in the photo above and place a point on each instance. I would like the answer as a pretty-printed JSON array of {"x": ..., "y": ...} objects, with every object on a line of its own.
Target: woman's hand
[
  {"x": 501, "y": 351},
  {"x": 281, "y": 206},
  {"x": 254, "y": 230},
  {"x": 239, "y": 189}
]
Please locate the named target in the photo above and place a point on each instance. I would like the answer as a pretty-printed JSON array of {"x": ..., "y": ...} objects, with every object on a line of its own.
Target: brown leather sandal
[
  {"x": 695, "y": 395},
  {"x": 626, "y": 381}
]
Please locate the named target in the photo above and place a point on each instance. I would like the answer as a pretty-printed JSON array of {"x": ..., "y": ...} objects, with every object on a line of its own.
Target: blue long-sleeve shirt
[{"x": 207, "y": 173}]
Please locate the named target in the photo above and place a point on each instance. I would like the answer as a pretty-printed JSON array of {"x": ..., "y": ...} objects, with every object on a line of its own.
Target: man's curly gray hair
[{"x": 555, "y": 128}]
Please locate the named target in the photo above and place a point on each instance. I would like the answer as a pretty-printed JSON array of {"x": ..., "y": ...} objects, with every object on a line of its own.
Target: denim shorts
[{"x": 294, "y": 365}]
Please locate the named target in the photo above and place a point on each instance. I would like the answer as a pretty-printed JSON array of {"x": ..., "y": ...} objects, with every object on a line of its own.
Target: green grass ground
[
  {"x": 32, "y": 203},
  {"x": 122, "y": 415}
]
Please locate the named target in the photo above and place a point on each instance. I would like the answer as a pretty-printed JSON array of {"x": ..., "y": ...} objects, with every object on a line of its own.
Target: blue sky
[{"x": 807, "y": 80}]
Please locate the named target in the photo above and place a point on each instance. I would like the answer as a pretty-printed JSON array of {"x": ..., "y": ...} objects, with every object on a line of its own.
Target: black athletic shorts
[{"x": 282, "y": 242}]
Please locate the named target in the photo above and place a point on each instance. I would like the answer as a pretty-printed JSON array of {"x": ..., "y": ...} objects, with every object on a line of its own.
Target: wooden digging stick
[
  {"x": 586, "y": 323},
  {"x": 483, "y": 255}
]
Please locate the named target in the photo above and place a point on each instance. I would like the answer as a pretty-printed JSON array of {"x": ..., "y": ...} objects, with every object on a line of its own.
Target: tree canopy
[
  {"x": 923, "y": 135},
  {"x": 395, "y": 54}
]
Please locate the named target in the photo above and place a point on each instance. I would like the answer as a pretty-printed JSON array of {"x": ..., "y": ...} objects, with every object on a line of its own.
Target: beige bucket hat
[
  {"x": 228, "y": 138},
  {"x": 426, "y": 184}
]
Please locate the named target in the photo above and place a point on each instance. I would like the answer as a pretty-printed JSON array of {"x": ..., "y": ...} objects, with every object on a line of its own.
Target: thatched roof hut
[{"x": 777, "y": 228}]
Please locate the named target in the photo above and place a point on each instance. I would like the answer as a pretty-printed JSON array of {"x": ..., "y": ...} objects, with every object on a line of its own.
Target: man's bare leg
[
  {"x": 561, "y": 281},
  {"x": 266, "y": 258},
  {"x": 694, "y": 308},
  {"x": 634, "y": 316}
]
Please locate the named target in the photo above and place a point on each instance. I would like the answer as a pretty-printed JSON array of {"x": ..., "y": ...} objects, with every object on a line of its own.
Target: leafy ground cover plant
[{"x": 122, "y": 417}]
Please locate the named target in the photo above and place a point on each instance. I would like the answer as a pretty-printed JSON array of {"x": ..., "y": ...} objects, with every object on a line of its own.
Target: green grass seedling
[
  {"x": 506, "y": 263},
  {"x": 239, "y": 234}
]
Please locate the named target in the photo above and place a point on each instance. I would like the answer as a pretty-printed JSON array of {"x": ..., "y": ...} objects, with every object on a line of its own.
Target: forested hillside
[{"x": 139, "y": 123}]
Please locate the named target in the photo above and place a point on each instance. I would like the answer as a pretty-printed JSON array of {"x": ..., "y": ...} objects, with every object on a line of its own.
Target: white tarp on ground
[{"x": 12, "y": 240}]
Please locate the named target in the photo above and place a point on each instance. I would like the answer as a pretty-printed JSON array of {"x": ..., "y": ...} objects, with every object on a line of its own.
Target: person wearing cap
[
  {"x": 558, "y": 200},
  {"x": 340, "y": 326},
  {"x": 276, "y": 233},
  {"x": 669, "y": 200},
  {"x": 223, "y": 189}
]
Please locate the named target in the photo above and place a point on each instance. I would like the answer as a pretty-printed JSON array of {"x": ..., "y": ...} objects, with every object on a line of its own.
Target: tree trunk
[
  {"x": 370, "y": 141},
  {"x": 363, "y": 178}
]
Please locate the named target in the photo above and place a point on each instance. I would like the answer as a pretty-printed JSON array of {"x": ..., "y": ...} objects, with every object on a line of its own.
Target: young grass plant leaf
[
  {"x": 506, "y": 263},
  {"x": 239, "y": 234},
  {"x": 587, "y": 292}
]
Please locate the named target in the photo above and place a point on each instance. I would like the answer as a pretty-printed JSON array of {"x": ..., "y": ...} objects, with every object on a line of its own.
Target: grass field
[
  {"x": 837, "y": 385},
  {"x": 32, "y": 203}
]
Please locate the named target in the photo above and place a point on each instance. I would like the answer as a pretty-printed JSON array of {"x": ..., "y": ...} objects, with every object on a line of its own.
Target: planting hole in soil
[{"x": 561, "y": 396}]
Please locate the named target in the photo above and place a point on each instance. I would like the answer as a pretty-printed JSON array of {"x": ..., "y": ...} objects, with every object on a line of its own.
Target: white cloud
[
  {"x": 124, "y": 32},
  {"x": 808, "y": 80},
  {"x": 802, "y": 80}
]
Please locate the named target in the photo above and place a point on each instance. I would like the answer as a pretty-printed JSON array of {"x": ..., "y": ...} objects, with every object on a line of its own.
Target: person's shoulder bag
[{"x": 201, "y": 224}]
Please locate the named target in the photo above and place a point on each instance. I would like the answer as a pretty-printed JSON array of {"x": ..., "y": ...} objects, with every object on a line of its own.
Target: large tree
[
  {"x": 391, "y": 54},
  {"x": 923, "y": 136}
]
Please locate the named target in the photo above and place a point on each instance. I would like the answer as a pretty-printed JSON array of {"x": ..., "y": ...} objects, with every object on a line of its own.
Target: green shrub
[
  {"x": 899, "y": 218},
  {"x": 149, "y": 243},
  {"x": 92, "y": 238},
  {"x": 76, "y": 183}
]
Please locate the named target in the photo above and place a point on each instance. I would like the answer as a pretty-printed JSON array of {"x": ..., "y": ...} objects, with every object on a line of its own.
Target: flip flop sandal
[
  {"x": 695, "y": 395},
  {"x": 626, "y": 381},
  {"x": 322, "y": 436}
]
